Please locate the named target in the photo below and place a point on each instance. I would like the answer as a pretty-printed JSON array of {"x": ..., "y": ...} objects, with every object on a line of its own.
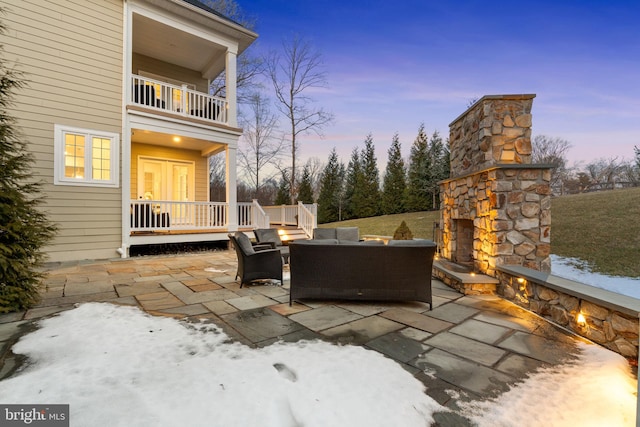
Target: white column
[
  {"x": 231, "y": 88},
  {"x": 232, "y": 194}
]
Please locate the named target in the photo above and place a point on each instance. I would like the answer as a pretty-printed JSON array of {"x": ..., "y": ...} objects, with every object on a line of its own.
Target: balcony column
[
  {"x": 231, "y": 88},
  {"x": 232, "y": 191}
]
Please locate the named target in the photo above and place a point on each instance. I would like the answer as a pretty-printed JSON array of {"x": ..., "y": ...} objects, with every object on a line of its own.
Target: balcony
[{"x": 177, "y": 100}]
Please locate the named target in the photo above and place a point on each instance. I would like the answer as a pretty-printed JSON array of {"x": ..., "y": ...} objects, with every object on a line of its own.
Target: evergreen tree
[
  {"x": 330, "y": 198},
  {"x": 438, "y": 155},
  {"x": 418, "y": 195},
  {"x": 305, "y": 191},
  {"x": 283, "y": 195},
  {"x": 394, "y": 181},
  {"x": 24, "y": 228},
  {"x": 367, "y": 196},
  {"x": 351, "y": 185},
  {"x": 636, "y": 150}
]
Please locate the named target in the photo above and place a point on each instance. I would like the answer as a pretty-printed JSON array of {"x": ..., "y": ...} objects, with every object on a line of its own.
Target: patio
[{"x": 470, "y": 347}]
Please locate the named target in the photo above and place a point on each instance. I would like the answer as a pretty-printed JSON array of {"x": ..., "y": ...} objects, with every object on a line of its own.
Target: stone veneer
[
  {"x": 610, "y": 319},
  {"x": 494, "y": 184}
]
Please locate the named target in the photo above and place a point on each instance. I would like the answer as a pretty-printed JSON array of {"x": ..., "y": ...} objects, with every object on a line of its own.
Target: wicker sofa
[{"x": 370, "y": 270}]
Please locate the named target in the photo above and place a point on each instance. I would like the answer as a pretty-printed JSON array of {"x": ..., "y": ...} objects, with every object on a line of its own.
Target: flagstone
[
  {"x": 286, "y": 309},
  {"x": 158, "y": 301},
  {"x": 219, "y": 307},
  {"x": 138, "y": 288},
  {"x": 204, "y": 287},
  {"x": 467, "y": 348},
  {"x": 362, "y": 330},
  {"x": 416, "y": 320},
  {"x": 324, "y": 317},
  {"x": 251, "y": 301}
]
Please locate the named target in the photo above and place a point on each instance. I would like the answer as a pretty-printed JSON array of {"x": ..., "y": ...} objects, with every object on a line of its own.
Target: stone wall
[{"x": 613, "y": 325}]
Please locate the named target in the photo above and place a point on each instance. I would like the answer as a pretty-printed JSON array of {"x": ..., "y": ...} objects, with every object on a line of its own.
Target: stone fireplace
[
  {"x": 496, "y": 205},
  {"x": 464, "y": 242}
]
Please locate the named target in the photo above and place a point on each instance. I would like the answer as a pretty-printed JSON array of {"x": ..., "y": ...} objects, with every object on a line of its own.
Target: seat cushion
[
  {"x": 245, "y": 244},
  {"x": 350, "y": 234},
  {"x": 419, "y": 242},
  {"x": 324, "y": 233},
  {"x": 268, "y": 235},
  {"x": 315, "y": 242}
]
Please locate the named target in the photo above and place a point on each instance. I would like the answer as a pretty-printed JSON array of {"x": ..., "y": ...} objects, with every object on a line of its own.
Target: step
[{"x": 292, "y": 234}]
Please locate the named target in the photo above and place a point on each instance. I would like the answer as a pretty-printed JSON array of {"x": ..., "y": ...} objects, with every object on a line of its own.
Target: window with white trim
[{"x": 86, "y": 157}]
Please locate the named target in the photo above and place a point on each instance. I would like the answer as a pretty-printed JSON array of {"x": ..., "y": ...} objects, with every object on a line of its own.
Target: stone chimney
[{"x": 496, "y": 205}]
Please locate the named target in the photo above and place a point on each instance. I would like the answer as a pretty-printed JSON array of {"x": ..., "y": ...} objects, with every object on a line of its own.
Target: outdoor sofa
[
  {"x": 342, "y": 234},
  {"x": 368, "y": 270}
]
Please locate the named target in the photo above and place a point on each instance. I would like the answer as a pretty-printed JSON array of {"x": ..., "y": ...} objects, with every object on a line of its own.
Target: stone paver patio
[{"x": 470, "y": 347}]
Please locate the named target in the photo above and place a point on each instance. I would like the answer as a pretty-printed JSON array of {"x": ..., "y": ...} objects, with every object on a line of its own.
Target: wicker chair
[
  {"x": 271, "y": 236},
  {"x": 255, "y": 261}
]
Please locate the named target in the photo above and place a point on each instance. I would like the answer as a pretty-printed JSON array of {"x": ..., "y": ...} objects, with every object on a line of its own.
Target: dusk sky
[{"x": 392, "y": 65}]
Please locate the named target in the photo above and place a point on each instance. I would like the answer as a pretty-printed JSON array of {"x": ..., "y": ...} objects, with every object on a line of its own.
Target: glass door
[{"x": 172, "y": 184}]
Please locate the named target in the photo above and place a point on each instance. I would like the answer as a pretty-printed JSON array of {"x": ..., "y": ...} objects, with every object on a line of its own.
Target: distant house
[{"x": 118, "y": 114}]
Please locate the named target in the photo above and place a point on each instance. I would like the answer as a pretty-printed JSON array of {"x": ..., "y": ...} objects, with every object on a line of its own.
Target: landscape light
[{"x": 581, "y": 320}]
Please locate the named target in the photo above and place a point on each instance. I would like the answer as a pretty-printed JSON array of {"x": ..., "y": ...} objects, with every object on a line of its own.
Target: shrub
[
  {"x": 24, "y": 229},
  {"x": 403, "y": 232}
]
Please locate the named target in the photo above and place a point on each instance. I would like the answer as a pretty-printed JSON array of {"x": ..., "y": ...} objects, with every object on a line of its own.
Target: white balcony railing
[{"x": 181, "y": 100}]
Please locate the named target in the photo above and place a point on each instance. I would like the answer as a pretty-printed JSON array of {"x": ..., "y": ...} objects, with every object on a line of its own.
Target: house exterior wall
[
  {"x": 69, "y": 84},
  {"x": 154, "y": 151},
  {"x": 172, "y": 71}
]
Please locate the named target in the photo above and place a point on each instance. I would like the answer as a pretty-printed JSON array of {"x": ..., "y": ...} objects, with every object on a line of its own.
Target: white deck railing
[
  {"x": 181, "y": 100},
  {"x": 162, "y": 215},
  {"x": 307, "y": 217},
  {"x": 165, "y": 215},
  {"x": 260, "y": 217},
  {"x": 283, "y": 214}
]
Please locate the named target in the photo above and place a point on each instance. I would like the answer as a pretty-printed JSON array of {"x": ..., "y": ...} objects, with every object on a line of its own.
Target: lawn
[{"x": 600, "y": 228}]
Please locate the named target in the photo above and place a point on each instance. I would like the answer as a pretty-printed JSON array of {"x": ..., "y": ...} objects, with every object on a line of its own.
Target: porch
[{"x": 164, "y": 221}]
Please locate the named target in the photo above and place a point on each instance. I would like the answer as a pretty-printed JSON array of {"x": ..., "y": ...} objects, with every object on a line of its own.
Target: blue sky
[{"x": 392, "y": 65}]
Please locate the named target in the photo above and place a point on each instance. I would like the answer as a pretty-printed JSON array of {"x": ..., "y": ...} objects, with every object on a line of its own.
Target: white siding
[{"x": 71, "y": 54}]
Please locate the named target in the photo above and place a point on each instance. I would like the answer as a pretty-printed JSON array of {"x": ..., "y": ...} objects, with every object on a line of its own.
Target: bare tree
[
  {"x": 249, "y": 66},
  {"x": 231, "y": 10},
  {"x": 605, "y": 173},
  {"x": 217, "y": 178},
  {"x": 315, "y": 167},
  {"x": 552, "y": 151},
  {"x": 293, "y": 73},
  {"x": 262, "y": 147}
]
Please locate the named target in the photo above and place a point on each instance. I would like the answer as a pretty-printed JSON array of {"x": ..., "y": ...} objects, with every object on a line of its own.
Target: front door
[{"x": 171, "y": 183}]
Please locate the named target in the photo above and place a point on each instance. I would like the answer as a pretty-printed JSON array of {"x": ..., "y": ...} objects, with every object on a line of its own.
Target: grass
[{"x": 600, "y": 228}]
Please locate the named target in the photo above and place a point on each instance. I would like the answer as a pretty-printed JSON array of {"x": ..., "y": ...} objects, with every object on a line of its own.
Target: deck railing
[
  {"x": 307, "y": 217},
  {"x": 165, "y": 215},
  {"x": 162, "y": 215},
  {"x": 283, "y": 214},
  {"x": 182, "y": 100}
]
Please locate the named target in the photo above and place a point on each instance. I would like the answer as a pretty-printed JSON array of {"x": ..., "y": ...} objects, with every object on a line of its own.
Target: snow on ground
[
  {"x": 596, "y": 390},
  {"x": 579, "y": 271},
  {"x": 117, "y": 366}
]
